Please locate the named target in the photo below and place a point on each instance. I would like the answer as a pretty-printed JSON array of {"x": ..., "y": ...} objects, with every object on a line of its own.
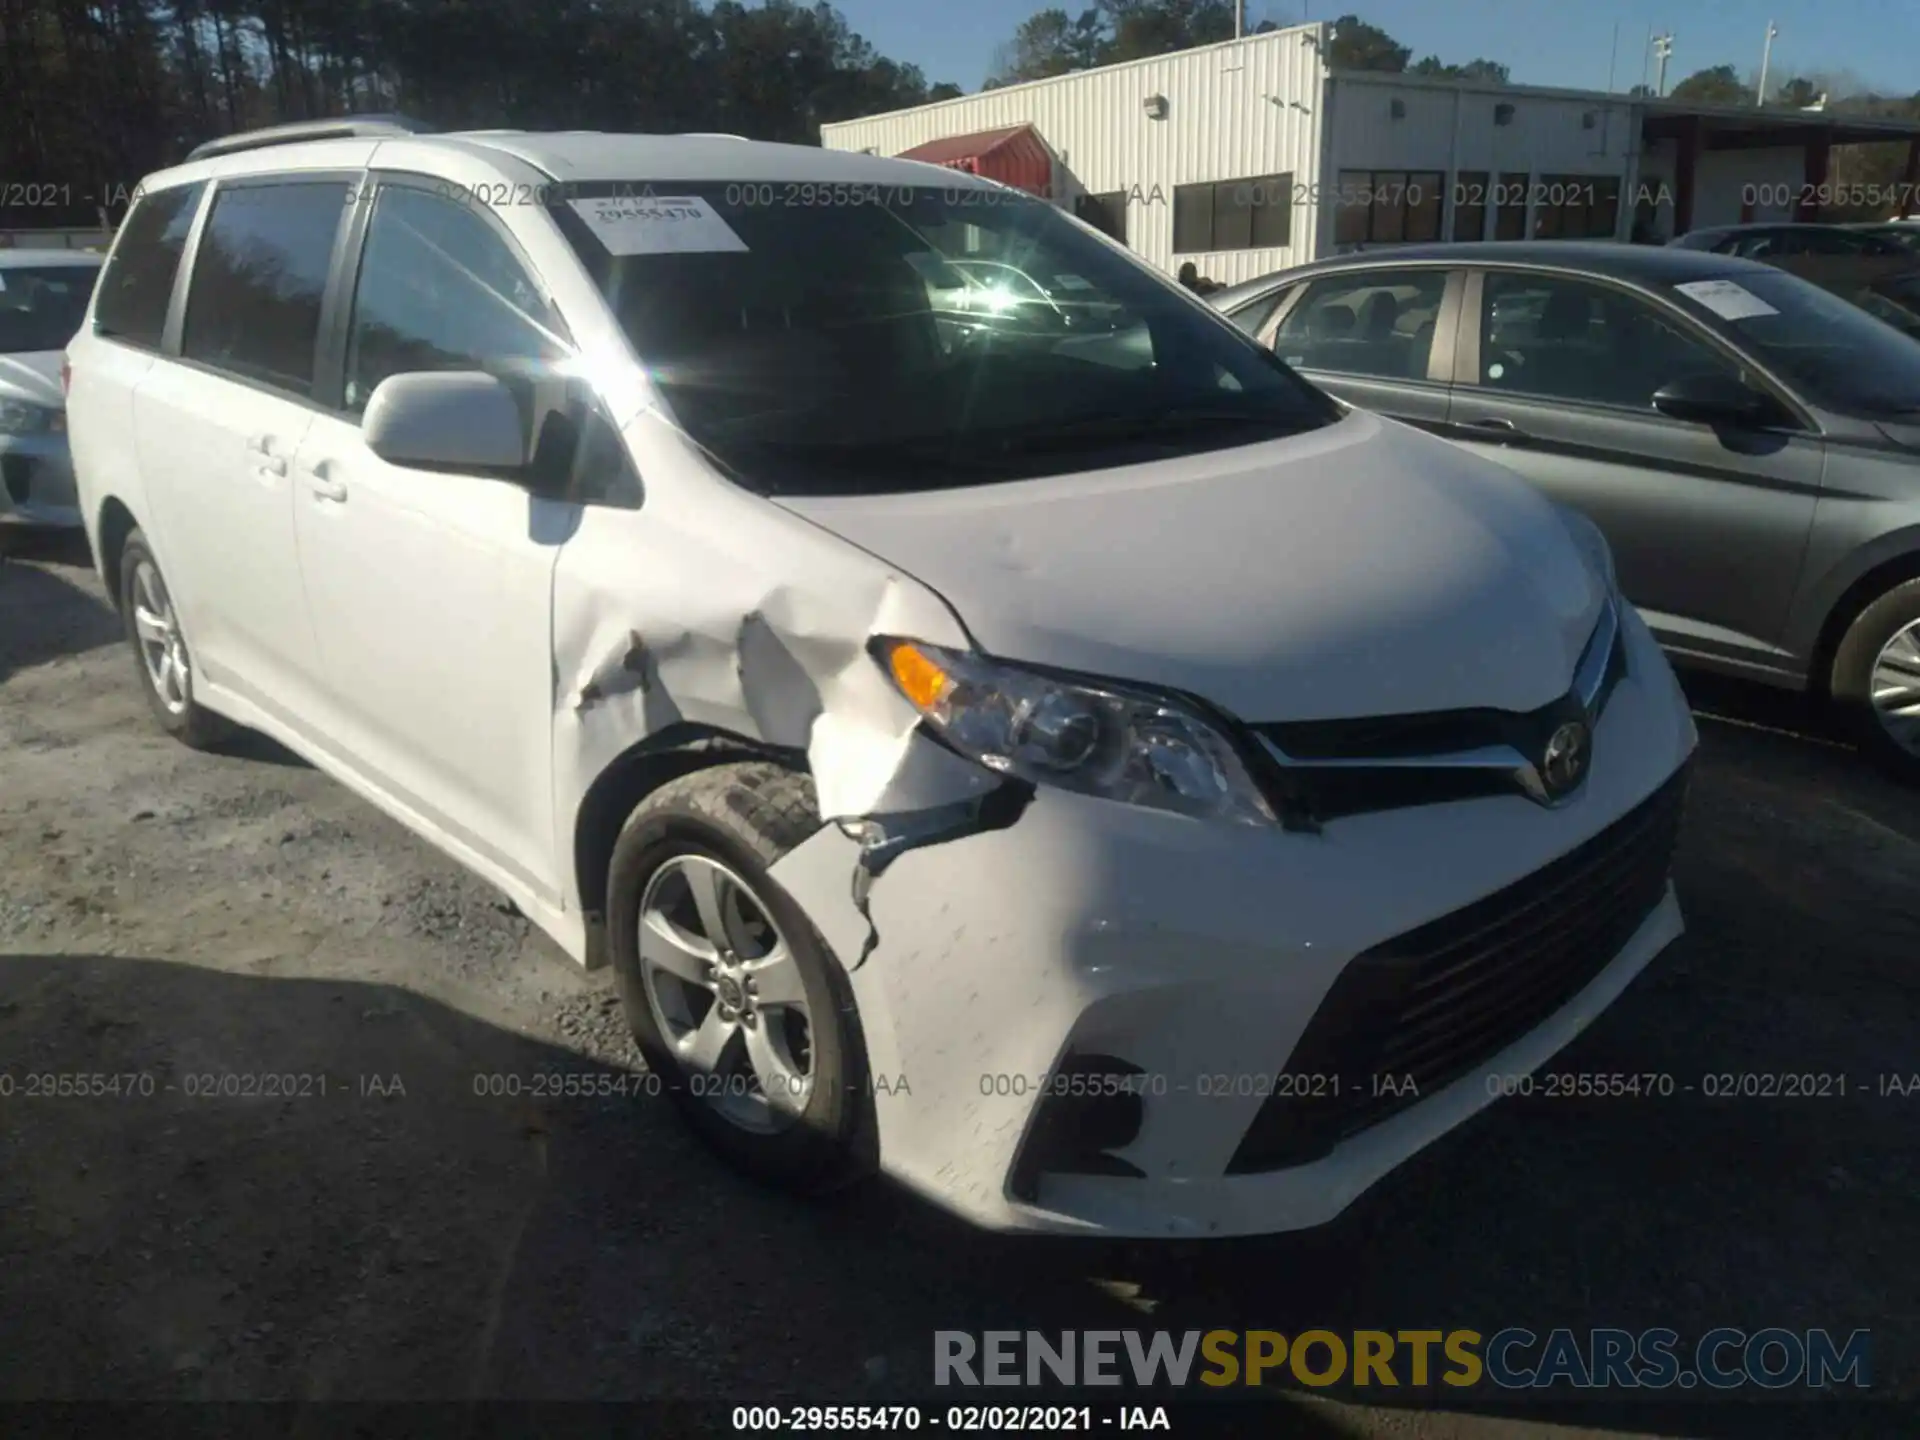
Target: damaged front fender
[
  {"x": 749, "y": 621},
  {"x": 886, "y": 837}
]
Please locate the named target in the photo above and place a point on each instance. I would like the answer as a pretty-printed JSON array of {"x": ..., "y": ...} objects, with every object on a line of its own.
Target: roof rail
[
  {"x": 708, "y": 135},
  {"x": 339, "y": 128}
]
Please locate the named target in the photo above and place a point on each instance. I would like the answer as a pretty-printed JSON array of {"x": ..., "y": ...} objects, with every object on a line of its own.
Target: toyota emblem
[{"x": 1563, "y": 764}]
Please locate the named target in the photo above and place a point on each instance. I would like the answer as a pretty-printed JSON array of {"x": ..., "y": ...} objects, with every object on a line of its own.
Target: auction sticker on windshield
[
  {"x": 1728, "y": 300},
  {"x": 658, "y": 225}
]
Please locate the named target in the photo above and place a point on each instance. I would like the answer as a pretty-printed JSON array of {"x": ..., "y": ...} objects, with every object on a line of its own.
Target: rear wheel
[
  {"x": 160, "y": 647},
  {"x": 1876, "y": 680},
  {"x": 733, "y": 998}
]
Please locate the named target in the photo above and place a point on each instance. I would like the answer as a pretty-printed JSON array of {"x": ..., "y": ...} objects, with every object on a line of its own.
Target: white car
[
  {"x": 1140, "y": 799},
  {"x": 43, "y": 296}
]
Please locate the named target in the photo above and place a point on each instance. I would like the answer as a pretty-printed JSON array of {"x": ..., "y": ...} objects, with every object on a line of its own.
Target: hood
[
  {"x": 1363, "y": 569},
  {"x": 33, "y": 375}
]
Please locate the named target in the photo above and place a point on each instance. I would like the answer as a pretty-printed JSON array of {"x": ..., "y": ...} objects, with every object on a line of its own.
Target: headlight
[
  {"x": 1593, "y": 544},
  {"x": 21, "y": 417},
  {"x": 1116, "y": 741}
]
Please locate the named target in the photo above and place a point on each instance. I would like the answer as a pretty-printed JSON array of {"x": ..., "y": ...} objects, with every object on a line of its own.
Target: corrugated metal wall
[
  {"x": 1547, "y": 135},
  {"x": 1240, "y": 110},
  {"x": 1727, "y": 178},
  {"x": 1453, "y": 129}
]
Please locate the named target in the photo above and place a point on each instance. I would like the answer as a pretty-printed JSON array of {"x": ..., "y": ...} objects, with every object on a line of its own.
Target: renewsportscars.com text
[{"x": 1512, "y": 1359}]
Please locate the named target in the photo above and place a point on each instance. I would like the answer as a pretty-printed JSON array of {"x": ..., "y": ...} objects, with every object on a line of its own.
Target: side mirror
[
  {"x": 1714, "y": 398},
  {"x": 460, "y": 420}
]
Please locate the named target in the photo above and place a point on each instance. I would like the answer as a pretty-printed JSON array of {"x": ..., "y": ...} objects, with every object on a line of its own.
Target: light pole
[
  {"x": 1766, "y": 58},
  {"x": 1662, "y": 51},
  {"x": 1239, "y": 18}
]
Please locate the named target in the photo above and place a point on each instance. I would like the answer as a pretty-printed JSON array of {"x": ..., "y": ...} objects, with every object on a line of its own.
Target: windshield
[
  {"x": 847, "y": 339},
  {"x": 1841, "y": 356},
  {"x": 41, "y": 308}
]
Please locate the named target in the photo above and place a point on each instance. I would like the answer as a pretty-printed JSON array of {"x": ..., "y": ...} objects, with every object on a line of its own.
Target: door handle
[
  {"x": 1494, "y": 425},
  {"x": 321, "y": 482},
  {"x": 260, "y": 447}
]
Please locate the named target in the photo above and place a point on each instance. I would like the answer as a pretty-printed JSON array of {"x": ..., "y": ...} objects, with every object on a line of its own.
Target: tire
[
  {"x": 1884, "y": 636},
  {"x": 142, "y": 584},
  {"x": 727, "y": 825}
]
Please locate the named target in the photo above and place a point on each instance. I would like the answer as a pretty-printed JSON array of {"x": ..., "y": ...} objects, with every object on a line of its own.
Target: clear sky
[{"x": 1544, "y": 42}]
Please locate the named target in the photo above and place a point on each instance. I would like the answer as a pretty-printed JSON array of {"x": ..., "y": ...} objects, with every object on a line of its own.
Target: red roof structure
[{"x": 1015, "y": 156}]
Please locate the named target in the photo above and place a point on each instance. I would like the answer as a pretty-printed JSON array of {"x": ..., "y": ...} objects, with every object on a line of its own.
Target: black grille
[
  {"x": 1308, "y": 793},
  {"x": 1076, "y": 1129},
  {"x": 1410, "y": 1016}
]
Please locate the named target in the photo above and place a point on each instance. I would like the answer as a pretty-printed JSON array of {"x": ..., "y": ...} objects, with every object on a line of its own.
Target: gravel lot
[{"x": 176, "y": 915}]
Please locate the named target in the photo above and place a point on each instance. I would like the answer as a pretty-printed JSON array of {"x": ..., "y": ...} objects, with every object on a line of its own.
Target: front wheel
[
  {"x": 160, "y": 647},
  {"x": 733, "y": 998},
  {"x": 1876, "y": 680}
]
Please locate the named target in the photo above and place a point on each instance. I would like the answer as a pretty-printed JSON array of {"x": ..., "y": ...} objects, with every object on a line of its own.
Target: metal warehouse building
[{"x": 1251, "y": 155}]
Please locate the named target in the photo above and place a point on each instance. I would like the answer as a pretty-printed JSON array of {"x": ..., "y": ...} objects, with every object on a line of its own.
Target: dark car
[
  {"x": 1748, "y": 442},
  {"x": 1904, "y": 233},
  {"x": 1854, "y": 264}
]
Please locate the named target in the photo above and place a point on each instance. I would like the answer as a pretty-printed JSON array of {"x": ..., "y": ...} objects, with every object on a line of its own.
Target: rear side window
[
  {"x": 138, "y": 282},
  {"x": 1379, "y": 323},
  {"x": 1836, "y": 242},
  {"x": 259, "y": 277},
  {"x": 1255, "y": 313}
]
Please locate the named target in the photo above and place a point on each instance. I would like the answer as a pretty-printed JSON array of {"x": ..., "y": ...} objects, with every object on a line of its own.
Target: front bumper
[
  {"x": 36, "y": 482},
  {"x": 1194, "y": 955}
]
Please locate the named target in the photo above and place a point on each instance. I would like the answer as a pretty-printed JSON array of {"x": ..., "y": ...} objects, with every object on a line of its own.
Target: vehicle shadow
[
  {"x": 261, "y": 750},
  {"x": 221, "y": 1186},
  {"x": 1793, "y": 746},
  {"x": 51, "y": 547},
  {"x": 1745, "y": 702},
  {"x": 45, "y": 615}
]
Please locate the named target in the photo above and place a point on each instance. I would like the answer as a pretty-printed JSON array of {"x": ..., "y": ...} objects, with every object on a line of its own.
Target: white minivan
[{"x": 1020, "y": 738}]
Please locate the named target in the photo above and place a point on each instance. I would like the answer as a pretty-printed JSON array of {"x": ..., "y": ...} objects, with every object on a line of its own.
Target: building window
[
  {"x": 1252, "y": 214},
  {"x": 1386, "y": 207},
  {"x": 1510, "y": 207},
  {"x": 1470, "y": 204},
  {"x": 1576, "y": 207},
  {"x": 1106, "y": 212}
]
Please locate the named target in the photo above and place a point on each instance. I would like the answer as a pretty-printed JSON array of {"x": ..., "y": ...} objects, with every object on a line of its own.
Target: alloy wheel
[
  {"x": 726, "y": 993},
  {"x": 163, "y": 650},
  {"x": 1896, "y": 688}
]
